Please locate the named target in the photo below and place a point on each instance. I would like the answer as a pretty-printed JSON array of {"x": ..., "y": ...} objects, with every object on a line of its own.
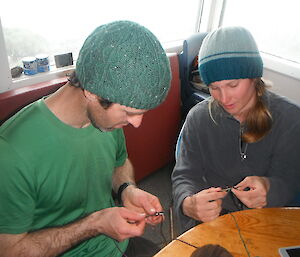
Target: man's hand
[
  {"x": 205, "y": 205},
  {"x": 252, "y": 191},
  {"x": 119, "y": 222},
  {"x": 142, "y": 202}
]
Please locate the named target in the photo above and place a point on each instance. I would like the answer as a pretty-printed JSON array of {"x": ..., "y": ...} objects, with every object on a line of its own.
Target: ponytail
[{"x": 259, "y": 120}]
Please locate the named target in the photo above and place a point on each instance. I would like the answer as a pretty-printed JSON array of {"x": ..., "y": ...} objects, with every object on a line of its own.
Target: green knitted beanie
[
  {"x": 229, "y": 53},
  {"x": 124, "y": 63}
]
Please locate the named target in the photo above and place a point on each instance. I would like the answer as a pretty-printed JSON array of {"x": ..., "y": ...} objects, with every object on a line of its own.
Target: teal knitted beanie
[
  {"x": 229, "y": 53},
  {"x": 124, "y": 63}
]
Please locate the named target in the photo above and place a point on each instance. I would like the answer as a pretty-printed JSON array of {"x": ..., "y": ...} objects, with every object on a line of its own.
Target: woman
[{"x": 239, "y": 149}]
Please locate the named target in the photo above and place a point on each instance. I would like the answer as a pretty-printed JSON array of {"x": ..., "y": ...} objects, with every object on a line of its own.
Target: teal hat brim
[{"x": 230, "y": 68}]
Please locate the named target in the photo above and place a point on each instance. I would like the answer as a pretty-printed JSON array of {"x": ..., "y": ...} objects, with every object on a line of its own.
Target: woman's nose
[{"x": 224, "y": 97}]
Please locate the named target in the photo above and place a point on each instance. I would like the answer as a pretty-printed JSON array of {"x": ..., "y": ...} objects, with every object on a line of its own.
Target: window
[
  {"x": 275, "y": 28},
  {"x": 32, "y": 28}
]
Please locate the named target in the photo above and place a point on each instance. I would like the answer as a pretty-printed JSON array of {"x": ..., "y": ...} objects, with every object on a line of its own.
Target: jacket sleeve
[
  {"x": 284, "y": 173},
  {"x": 188, "y": 176}
]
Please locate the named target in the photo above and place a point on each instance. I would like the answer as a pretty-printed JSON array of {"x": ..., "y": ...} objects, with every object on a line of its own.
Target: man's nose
[{"x": 135, "y": 120}]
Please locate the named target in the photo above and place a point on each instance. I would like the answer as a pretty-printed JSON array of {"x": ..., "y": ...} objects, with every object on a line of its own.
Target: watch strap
[{"x": 122, "y": 188}]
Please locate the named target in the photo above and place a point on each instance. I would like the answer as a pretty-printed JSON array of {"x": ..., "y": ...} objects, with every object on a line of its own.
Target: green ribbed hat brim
[{"x": 230, "y": 68}]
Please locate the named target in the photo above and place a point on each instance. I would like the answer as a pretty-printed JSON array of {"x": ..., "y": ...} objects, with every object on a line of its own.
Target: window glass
[
  {"x": 60, "y": 26},
  {"x": 274, "y": 24}
]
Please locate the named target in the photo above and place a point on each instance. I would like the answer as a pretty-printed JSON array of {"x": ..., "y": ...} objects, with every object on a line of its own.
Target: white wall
[
  {"x": 5, "y": 75},
  {"x": 284, "y": 85}
]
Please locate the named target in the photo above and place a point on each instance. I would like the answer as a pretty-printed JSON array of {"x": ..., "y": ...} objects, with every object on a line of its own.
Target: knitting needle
[
  {"x": 226, "y": 189},
  {"x": 160, "y": 213}
]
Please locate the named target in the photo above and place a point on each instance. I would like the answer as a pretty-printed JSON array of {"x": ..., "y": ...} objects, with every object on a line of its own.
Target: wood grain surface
[{"x": 262, "y": 230}]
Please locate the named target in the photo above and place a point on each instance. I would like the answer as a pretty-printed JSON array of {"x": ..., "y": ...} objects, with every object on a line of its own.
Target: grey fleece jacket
[{"x": 210, "y": 155}]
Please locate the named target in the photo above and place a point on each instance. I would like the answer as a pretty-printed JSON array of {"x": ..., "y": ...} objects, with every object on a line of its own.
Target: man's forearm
[
  {"x": 123, "y": 174},
  {"x": 52, "y": 241}
]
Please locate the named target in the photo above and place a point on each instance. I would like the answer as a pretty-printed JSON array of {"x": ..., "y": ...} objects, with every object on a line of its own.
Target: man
[{"x": 62, "y": 155}]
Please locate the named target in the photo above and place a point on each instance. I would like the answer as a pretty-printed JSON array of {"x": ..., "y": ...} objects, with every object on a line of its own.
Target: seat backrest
[
  {"x": 13, "y": 100},
  {"x": 296, "y": 201},
  {"x": 190, "y": 50},
  {"x": 178, "y": 143}
]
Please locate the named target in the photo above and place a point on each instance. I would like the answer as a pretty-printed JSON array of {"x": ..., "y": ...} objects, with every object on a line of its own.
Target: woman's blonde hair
[{"x": 259, "y": 119}]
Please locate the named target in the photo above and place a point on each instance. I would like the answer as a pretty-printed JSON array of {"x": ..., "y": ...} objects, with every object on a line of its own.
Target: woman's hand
[
  {"x": 205, "y": 205},
  {"x": 252, "y": 191}
]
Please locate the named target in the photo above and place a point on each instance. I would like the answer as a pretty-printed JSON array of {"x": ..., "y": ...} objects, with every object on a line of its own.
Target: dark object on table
[
  {"x": 211, "y": 250},
  {"x": 16, "y": 71}
]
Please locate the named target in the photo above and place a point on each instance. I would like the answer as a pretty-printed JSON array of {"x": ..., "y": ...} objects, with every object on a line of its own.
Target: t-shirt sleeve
[
  {"x": 16, "y": 192},
  {"x": 121, "y": 155}
]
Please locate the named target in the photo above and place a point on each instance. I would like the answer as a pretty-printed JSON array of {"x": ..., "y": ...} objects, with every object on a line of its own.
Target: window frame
[
  {"x": 271, "y": 62},
  {"x": 214, "y": 13}
]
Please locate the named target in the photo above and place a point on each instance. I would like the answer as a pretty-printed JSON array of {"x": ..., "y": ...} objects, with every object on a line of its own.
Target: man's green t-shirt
[{"x": 52, "y": 174}]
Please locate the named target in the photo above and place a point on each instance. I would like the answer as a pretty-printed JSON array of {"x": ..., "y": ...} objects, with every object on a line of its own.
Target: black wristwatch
[{"x": 122, "y": 188}]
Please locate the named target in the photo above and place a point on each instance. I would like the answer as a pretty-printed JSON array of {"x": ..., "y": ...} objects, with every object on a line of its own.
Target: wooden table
[{"x": 263, "y": 231}]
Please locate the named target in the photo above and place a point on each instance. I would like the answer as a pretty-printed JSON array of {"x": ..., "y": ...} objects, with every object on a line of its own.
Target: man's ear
[{"x": 90, "y": 96}]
